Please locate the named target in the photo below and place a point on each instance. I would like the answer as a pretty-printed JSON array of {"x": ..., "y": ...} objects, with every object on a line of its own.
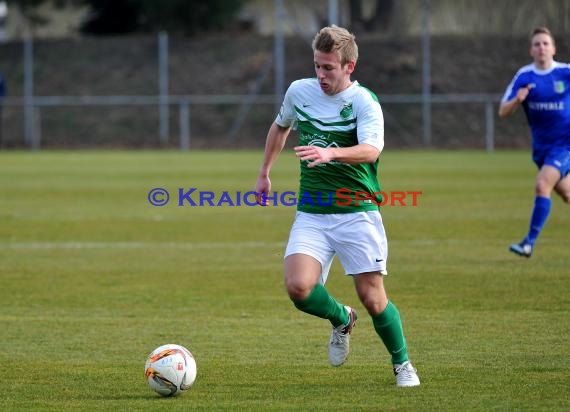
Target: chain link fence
[{"x": 109, "y": 92}]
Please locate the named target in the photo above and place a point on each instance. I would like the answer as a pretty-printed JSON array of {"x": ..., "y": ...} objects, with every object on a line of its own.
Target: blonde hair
[
  {"x": 542, "y": 30},
  {"x": 339, "y": 40}
]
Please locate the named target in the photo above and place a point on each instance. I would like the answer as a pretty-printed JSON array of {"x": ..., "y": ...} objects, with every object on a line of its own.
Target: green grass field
[{"x": 94, "y": 277}]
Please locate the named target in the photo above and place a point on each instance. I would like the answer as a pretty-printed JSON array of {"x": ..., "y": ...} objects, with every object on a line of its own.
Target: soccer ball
[{"x": 170, "y": 370}]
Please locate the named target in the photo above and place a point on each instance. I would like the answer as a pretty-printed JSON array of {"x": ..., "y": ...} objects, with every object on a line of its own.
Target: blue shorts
[{"x": 557, "y": 157}]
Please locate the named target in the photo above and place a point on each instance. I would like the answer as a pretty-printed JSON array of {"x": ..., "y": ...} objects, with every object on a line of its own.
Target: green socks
[
  {"x": 388, "y": 326},
  {"x": 320, "y": 303}
]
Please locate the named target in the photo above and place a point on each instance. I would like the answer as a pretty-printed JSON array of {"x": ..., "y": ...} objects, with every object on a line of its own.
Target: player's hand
[
  {"x": 262, "y": 190},
  {"x": 522, "y": 93},
  {"x": 313, "y": 154}
]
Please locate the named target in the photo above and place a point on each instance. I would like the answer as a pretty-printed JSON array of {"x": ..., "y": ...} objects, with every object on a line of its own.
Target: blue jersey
[{"x": 547, "y": 106}]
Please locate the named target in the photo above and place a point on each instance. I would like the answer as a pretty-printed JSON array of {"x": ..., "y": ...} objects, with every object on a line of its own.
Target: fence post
[
  {"x": 29, "y": 92},
  {"x": 163, "y": 87},
  {"x": 37, "y": 132},
  {"x": 426, "y": 74},
  {"x": 279, "y": 54},
  {"x": 2, "y": 95},
  {"x": 333, "y": 12},
  {"x": 489, "y": 126},
  {"x": 184, "y": 125}
]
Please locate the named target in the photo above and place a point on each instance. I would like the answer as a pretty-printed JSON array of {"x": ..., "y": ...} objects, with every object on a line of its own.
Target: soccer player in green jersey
[{"x": 341, "y": 132}]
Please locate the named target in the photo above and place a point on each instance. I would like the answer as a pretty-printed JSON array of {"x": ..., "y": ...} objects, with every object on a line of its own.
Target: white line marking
[{"x": 137, "y": 245}]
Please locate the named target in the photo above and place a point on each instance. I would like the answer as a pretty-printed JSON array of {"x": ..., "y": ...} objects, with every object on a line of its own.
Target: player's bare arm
[
  {"x": 361, "y": 153},
  {"x": 509, "y": 107},
  {"x": 276, "y": 138}
]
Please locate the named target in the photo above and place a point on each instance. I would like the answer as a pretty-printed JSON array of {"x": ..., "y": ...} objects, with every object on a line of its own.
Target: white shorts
[{"x": 359, "y": 240}]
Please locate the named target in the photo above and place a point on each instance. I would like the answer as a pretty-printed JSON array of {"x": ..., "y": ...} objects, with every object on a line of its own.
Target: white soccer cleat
[
  {"x": 406, "y": 375},
  {"x": 339, "y": 345}
]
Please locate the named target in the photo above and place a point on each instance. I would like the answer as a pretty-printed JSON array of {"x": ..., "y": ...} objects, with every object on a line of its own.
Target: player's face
[
  {"x": 542, "y": 49},
  {"x": 332, "y": 76}
]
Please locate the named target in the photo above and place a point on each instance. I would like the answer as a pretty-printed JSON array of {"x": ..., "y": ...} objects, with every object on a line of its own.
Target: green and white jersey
[{"x": 346, "y": 119}]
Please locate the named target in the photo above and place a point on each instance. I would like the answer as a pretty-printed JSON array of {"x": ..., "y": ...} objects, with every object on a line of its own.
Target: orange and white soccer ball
[{"x": 170, "y": 370}]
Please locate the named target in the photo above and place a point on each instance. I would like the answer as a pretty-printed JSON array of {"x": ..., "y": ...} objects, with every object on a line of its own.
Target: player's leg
[
  {"x": 385, "y": 315},
  {"x": 307, "y": 263},
  {"x": 308, "y": 258},
  {"x": 302, "y": 274},
  {"x": 309, "y": 295},
  {"x": 363, "y": 252},
  {"x": 562, "y": 188},
  {"x": 546, "y": 180}
]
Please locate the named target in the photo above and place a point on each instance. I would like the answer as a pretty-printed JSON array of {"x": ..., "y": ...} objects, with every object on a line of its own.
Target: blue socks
[{"x": 539, "y": 216}]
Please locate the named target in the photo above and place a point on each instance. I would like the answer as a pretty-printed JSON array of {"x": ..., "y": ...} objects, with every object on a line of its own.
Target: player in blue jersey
[{"x": 542, "y": 88}]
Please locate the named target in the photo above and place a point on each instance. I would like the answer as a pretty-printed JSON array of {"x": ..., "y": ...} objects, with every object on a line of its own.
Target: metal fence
[
  {"x": 32, "y": 107},
  {"x": 34, "y": 114},
  {"x": 174, "y": 112}
]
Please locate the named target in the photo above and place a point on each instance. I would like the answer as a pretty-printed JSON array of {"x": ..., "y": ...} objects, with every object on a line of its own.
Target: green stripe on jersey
[
  {"x": 332, "y": 121},
  {"x": 334, "y": 187},
  {"x": 331, "y": 124}
]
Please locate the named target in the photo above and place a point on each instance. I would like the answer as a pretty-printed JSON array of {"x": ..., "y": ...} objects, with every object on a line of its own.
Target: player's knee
[
  {"x": 299, "y": 299},
  {"x": 297, "y": 291},
  {"x": 373, "y": 306},
  {"x": 543, "y": 188},
  {"x": 296, "y": 295}
]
